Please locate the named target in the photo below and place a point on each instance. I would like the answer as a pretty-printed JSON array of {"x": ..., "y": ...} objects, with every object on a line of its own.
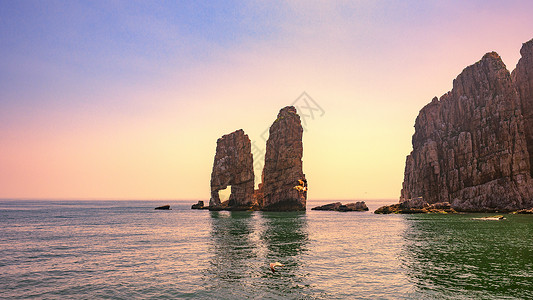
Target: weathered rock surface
[
  {"x": 233, "y": 166},
  {"x": 523, "y": 80},
  {"x": 337, "y": 206},
  {"x": 416, "y": 206},
  {"x": 469, "y": 146},
  {"x": 284, "y": 186}
]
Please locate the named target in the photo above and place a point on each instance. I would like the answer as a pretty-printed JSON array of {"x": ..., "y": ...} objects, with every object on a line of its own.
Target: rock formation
[
  {"x": 163, "y": 207},
  {"x": 199, "y": 205},
  {"x": 337, "y": 206},
  {"x": 233, "y": 166},
  {"x": 284, "y": 186},
  {"x": 416, "y": 206},
  {"x": 470, "y": 147},
  {"x": 523, "y": 80}
]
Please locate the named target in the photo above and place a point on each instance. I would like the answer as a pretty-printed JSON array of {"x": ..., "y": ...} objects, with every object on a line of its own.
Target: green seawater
[
  {"x": 128, "y": 250},
  {"x": 459, "y": 256}
]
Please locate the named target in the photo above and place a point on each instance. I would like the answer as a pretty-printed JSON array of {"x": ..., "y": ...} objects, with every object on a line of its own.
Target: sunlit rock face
[
  {"x": 469, "y": 146},
  {"x": 233, "y": 166},
  {"x": 284, "y": 186}
]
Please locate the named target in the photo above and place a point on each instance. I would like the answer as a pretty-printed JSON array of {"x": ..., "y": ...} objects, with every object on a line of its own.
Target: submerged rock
[
  {"x": 233, "y": 165},
  {"x": 284, "y": 187},
  {"x": 470, "y": 147},
  {"x": 337, "y": 206}
]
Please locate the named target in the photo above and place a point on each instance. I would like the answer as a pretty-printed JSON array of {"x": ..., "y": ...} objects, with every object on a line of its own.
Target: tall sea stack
[
  {"x": 470, "y": 147},
  {"x": 284, "y": 186},
  {"x": 233, "y": 166}
]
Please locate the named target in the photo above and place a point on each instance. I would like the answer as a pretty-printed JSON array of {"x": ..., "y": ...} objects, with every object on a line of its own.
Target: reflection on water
[
  {"x": 452, "y": 255},
  {"x": 285, "y": 236},
  {"x": 243, "y": 246},
  {"x": 233, "y": 245},
  {"x": 127, "y": 250}
]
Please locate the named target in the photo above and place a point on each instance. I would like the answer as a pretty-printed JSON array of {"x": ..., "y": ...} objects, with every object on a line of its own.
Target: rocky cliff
[
  {"x": 470, "y": 147},
  {"x": 233, "y": 166},
  {"x": 523, "y": 80},
  {"x": 284, "y": 186}
]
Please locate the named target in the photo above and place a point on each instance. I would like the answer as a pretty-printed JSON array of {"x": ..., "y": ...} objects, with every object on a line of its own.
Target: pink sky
[{"x": 122, "y": 101}]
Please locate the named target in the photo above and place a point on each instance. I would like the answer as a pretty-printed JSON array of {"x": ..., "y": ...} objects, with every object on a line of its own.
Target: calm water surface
[{"x": 127, "y": 250}]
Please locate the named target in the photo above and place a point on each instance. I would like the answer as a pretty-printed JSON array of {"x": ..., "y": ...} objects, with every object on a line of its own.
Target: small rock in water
[
  {"x": 164, "y": 207},
  {"x": 337, "y": 206},
  {"x": 199, "y": 205}
]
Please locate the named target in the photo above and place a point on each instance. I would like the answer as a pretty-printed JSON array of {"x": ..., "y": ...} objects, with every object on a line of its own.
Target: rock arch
[{"x": 233, "y": 165}]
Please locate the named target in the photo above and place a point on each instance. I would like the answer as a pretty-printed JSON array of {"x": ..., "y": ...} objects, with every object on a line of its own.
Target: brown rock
[
  {"x": 199, "y": 205},
  {"x": 331, "y": 206},
  {"x": 388, "y": 209},
  {"x": 233, "y": 166},
  {"x": 416, "y": 206},
  {"x": 523, "y": 80},
  {"x": 282, "y": 172},
  {"x": 469, "y": 146}
]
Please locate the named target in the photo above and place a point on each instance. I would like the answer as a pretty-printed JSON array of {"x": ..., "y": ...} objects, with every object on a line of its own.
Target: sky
[{"x": 126, "y": 99}]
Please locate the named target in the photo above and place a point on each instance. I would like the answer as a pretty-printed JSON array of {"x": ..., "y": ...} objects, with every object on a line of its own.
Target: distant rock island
[
  {"x": 284, "y": 186},
  {"x": 163, "y": 207},
  {"x": 338, "y": 206},
  {"x": 473, "y": 147}
]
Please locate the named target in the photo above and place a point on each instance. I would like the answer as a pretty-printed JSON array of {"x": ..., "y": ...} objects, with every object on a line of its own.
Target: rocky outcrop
[
  {"x": 284, "y": 186},
  {"x": 524, "y": 211},
  {"x": 337, "y": 206},
  {"x": 233, "y": 166},
  {"x": 163, "y": 207},
  {"x": 523, "y": 80},
  {"x": 199, "y": 205},
  {"x": 416, "y": 206},
  {"x": 469, "y": 146}
]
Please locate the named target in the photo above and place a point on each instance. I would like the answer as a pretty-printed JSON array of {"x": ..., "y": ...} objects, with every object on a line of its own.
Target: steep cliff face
[
  {"x": 233, "y": 166},
  {"x": 284, "y": 186},
  {"x": 469, "y": 147},
  {"x": 523, "y": 80}
]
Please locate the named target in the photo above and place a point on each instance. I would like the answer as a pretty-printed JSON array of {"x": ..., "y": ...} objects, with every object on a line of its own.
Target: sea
[{"x": 51, "y": 249}]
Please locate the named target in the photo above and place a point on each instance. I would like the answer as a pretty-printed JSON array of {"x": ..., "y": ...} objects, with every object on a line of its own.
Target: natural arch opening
[{"x": 224, "y": 194}]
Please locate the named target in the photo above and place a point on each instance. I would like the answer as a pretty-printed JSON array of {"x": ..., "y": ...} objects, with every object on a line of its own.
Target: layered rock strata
[
  {"x": 470, "y": 147},
  {"x": 284, "y": 187},
  {"x": 233, "y": 166}
]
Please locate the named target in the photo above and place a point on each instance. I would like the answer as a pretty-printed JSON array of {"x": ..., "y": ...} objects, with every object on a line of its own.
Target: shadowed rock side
[
  {"x": 523, "y": 80},
  {"x": 284, "y": 187},
  {"x": 469, "y": 147},
  {"x": 233, "y": 166}
]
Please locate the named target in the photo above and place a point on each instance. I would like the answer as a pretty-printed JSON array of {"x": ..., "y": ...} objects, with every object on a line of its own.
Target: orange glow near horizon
[{"x": 138, "y": 119}]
